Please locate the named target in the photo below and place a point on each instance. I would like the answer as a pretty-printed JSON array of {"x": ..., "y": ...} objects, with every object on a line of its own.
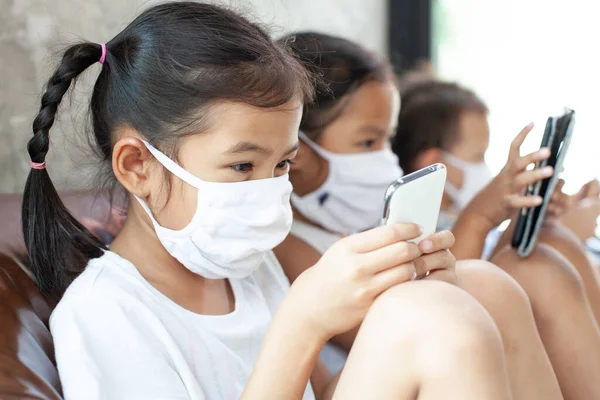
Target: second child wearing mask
[
  {"x": 443, "y": 122},
  {"x": 340, "y": 175},
  {"x": 195, "y": 114}
]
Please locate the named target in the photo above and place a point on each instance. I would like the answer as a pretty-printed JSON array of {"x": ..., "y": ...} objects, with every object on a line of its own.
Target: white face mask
[
  {"x": 351, "y": 199},
  {"x": 233, "y": 227},
  {"x": 476, "y": 176}
]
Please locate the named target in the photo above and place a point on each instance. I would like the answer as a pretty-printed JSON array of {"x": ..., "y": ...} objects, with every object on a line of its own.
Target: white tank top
[
  {"x": 319, "y": 239},
  {"x": 117, "y": 337}
]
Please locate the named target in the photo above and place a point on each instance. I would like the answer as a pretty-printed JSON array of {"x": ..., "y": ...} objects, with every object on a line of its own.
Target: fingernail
[
  {"x": 420, "y": 229},
  {"x": 547, "y": 170},
  {"x": 426, "y": 245},
  {"x": 538, "y": 200},
  {"x": 530, "y": 125},
  {"x": 544, "y": 151}
]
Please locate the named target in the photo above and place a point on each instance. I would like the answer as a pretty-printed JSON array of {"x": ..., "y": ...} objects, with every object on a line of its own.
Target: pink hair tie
[
  {"x": 103, "y": 56},
  {"x": 35, "y": 165}
]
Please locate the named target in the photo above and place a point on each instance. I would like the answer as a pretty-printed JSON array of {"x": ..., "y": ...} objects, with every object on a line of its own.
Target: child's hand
[
  {"x": 559, "y": 203},
  {"x": 437, "y": 260},
  {"x": 589, "y": 191},
  {"x": 506, "y": 193},
  {"x": 584, "y": 210},
  {"x": 335, "y": 294}
]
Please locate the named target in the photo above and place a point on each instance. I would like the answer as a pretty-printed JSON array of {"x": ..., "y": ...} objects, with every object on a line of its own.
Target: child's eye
[
  {"x": 243, "y": 167},
  {"x": 284, "y": 164},
  {"x": 367, "y": 143}
]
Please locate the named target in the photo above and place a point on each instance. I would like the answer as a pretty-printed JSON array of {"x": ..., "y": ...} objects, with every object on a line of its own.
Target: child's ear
[
  {"x": 131, "y": 164},
  {"x": 428, "y": 157}
]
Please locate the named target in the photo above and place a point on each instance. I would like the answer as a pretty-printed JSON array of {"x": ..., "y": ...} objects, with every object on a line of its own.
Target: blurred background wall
[
  {"x": 525, "y": 58},
  {"x": 32, "y": 33}
]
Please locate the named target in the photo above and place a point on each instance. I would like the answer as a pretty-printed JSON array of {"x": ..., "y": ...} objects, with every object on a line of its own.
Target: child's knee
[
  {"x": 431, "y": 319},
  {"x": 546, "y": 275},
  {"x": 499, "y": 292}
]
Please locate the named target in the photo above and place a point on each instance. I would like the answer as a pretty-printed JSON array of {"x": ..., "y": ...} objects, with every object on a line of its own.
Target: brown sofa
[{"x": 27, "y": 365}]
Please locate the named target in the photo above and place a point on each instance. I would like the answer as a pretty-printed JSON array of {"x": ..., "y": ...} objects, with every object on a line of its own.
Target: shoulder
[
  {"x": 109, "y": 286},
  {"x": 111, "y": 339},
  {"x": 296, "y": 256}
]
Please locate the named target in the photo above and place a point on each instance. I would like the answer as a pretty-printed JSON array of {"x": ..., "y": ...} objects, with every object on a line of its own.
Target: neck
[{"x": 137, "y": 242}]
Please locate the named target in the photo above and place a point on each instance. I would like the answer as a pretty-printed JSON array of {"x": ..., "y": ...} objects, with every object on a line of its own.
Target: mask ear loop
[
  {"x": 149, "y": 212},
  {"x": 452, "y": 191},
  {"x": 455, "y": 161},
  {"x": 318, "y": 149},
  {"x": 173, "y": 167}
]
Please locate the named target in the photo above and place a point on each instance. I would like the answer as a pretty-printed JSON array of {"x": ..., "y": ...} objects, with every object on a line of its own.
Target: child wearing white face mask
[
  {"x": 349, "y": 200},
  {"x": 344, "y": 156},
  {"x": 475, "y": 176},
  {"x": 195, "y": 112},
  {"x": 442, "y": 122}
]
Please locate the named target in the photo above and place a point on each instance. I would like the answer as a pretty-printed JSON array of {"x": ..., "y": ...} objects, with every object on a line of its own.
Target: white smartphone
[{"x": 416, "y": 198}]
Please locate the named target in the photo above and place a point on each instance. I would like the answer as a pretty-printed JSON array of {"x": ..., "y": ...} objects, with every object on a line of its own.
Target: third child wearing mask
[
  {"x": 340, "y": 175},
  {"x": 442, "y": 122}
]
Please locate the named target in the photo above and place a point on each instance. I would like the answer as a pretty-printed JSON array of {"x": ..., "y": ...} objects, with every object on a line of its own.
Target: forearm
[
  {"x": 470, "y": 231},
  {"x": 507, "y": 235},
  {"x": 286, "y": 359}
]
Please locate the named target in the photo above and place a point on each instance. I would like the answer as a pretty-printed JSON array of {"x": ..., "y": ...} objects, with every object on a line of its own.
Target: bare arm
[
  {"x": 507, "y": 235},
  {"x": 332, "y": 297},
  {"x": 287, "y": 359},
  {"x": 295, "y": 257},
  {"x": 470, "y": 232},
  {"x": 500, "y": 199},
  {"x": 300, "y": 359}
]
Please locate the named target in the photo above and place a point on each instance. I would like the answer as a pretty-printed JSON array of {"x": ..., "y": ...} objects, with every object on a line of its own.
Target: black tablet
[{"x": 557, "y": 137}]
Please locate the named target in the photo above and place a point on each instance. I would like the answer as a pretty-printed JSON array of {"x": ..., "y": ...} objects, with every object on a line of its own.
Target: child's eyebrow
[
  {"x": 373, "y": 129},
  {"x": 245, "y": 147},
  {"x": 292, "y": 149}
]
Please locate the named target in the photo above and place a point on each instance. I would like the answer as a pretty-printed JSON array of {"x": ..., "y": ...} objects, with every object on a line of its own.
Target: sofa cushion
[{"x": 27, "y": 366}]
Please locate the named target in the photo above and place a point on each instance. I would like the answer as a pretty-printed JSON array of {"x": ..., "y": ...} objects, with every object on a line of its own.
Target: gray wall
[{"x": 32, "y": 33}]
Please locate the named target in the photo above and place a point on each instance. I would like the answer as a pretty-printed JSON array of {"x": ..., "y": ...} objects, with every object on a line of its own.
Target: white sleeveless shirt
[{"x": 117, "y": 337}]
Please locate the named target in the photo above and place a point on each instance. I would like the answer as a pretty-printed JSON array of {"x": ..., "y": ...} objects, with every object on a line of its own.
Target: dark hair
[
  {"x": 342, "y": 66},
  {"x": 161, "y": 74},
  {"x": 429, "y": 118}
]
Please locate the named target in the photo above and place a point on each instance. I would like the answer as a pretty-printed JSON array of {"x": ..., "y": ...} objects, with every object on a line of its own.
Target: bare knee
[
  {"x": 556, "y": 235},
  {"x": 549, "y": 279},
  {"x": 433, "y": 323},
  {"x": 565, "y": 241},
  {"x": 546, "y": 268},
  {"x": 495, "y": 289}
]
